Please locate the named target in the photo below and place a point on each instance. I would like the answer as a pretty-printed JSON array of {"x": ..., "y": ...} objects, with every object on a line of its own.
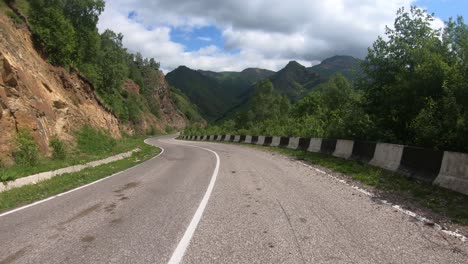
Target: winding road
[{"x": 201, "y": 202}]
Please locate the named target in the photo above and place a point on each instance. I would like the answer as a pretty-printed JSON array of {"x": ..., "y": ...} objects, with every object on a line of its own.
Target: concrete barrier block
[
  {"x": 387, "y": 156},
  {"x": 284, "y": 142},
  {"x": 242, "y": 138},
  {"x": 254, "y": 139},
  {"x": 236, "y": 139},
  {"x": 328, "y": 146},
  {"x": 227, "y": 138},
  {"x": 260, "y": 140},
  {"x": 314, "y": 145},
  {"x": 248, "y": 139},
  {"x": 343, "y": 149},
  {"x": 293, "y": 143},
  {"x": 275, "y": 142},
  {"x": 422, "y": 164},
  {"x": 453, "y": 173},
  {"x": 363, "y": 151},
  {"x": 303, "y": 143},
  {"x": 268, "y": 141}
]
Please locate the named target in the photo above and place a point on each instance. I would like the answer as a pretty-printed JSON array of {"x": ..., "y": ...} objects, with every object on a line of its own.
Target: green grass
[
  {"x": 91, "y": 145},
  {"x": 30, "y": 193},
  {"x": 23, "y": 6},
  {"x": 3, "y": 5},
  {"x": 14, "y": 17}
]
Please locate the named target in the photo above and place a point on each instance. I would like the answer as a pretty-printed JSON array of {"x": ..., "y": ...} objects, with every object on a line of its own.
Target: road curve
[{"x": 264, "y": 208}]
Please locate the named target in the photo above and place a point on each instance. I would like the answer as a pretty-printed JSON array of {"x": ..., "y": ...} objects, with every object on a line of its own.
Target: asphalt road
[{"x": 263, "y": 208}]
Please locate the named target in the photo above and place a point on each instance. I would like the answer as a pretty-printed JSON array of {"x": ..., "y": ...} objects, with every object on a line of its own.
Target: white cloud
[
  {"x": 263, "y": 33},
  {"x": 207, "y": 39}
]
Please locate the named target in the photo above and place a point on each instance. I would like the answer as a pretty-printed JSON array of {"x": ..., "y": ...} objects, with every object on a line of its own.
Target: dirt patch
[
  {"x": 88, "y": 239},
  {"x": 127, "y": 186},
  {"x": 116, "y": 221},
  {"x": 82, "y": 214},
  {"x": 15, "y": 256},
  {"x": 110, "y": 208}
]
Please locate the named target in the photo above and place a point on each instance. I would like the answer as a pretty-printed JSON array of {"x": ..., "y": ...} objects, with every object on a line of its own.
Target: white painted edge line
[
  {"x": 419, "y": 218},
  {"x": 455, "y": 233},
  {"x": 179, "y": 252},
  {"x": 76, "y": 189}
]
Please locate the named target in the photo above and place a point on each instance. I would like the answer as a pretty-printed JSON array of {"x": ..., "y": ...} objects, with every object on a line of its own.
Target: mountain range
[{"x": 219, "y": 95}]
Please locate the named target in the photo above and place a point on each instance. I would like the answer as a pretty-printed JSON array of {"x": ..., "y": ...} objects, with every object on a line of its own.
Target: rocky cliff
[{"x": 51, "y": 101}]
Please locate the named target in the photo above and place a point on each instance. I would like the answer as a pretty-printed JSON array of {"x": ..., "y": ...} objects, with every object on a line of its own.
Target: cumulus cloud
[{"x": 256, "y": 33}]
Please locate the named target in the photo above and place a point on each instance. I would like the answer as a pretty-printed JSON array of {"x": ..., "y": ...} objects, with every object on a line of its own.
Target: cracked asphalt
[{"x": 264, "y": 208}]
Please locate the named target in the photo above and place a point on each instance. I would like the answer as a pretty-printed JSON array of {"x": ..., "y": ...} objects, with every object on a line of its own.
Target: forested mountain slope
[{"x": 215, "y": 93}]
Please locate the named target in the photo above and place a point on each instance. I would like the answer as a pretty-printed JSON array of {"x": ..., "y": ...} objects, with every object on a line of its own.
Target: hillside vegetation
[
  {"x": 414, "y": 91},
  {"x": 65, "y": 32},
  {"x": 215, "y": 93}
]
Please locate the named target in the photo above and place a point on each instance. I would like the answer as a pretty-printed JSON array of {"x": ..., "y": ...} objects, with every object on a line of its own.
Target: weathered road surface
[{"x": 264, "y": 208}]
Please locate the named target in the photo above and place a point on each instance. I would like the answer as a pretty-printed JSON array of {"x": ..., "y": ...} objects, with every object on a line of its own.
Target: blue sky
[
  {"x": 446, "y": 8},
  {"x": 197, "y": 38},
  {"x": 210, "y": 35},
  {"x": 236, "y": 34}
]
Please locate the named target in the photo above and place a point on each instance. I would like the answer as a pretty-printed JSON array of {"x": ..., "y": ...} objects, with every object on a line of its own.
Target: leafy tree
[
  {"x": 265, "y": 104},
  {"x": 55, "y": 35},
  {"x": 84, "y": 16},
  {"x": 112, "y": 62},
  {"x": 402, "y": 72}
]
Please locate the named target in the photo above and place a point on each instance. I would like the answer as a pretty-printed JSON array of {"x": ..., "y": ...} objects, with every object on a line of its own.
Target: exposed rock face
[
  {"x": 170, "y": 115},
  {"x": 131, "y": 87},
  {"x": 44, "y": 99}
]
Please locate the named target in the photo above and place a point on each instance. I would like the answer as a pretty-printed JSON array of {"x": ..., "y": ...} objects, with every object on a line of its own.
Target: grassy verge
[
  {"x": 92, "y": 145},
  {"x": 30, "y": 193}
]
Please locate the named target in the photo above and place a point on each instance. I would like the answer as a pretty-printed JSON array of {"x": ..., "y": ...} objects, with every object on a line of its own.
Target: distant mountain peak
[
  {"x": 340, "y": 59},
  {"x": 294, "y": 64},
  {"x": 346, "y": 65}
]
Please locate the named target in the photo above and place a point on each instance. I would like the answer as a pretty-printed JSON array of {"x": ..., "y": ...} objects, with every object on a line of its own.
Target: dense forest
[{"x": 413, "y": 90}]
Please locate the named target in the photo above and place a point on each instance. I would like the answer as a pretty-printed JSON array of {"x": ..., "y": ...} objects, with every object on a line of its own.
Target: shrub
[
  {"x": 14, "y": 17},
  {"x": 170, "y": 130},
  {"x": 95, "y": 142},
  {"x": 152, "y": 131},
  {"x": 27, "y": 151},
  {"x": 58, "y": 149}
]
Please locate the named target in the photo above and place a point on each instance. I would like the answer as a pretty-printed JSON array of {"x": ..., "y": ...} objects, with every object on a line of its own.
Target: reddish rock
[{"x": 131, "y": 87}]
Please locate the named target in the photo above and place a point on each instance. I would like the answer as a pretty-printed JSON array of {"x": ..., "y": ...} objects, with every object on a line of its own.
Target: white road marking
[
  {"x": 422, "y": 219},
  {"x": 394, "y": 206},
  {"x": 74, "y": 190},
  {"x": 179, "y": 252}
]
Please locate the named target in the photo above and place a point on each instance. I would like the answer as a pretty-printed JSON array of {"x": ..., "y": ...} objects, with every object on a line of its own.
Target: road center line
[{"x": 179, "y": 252}]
